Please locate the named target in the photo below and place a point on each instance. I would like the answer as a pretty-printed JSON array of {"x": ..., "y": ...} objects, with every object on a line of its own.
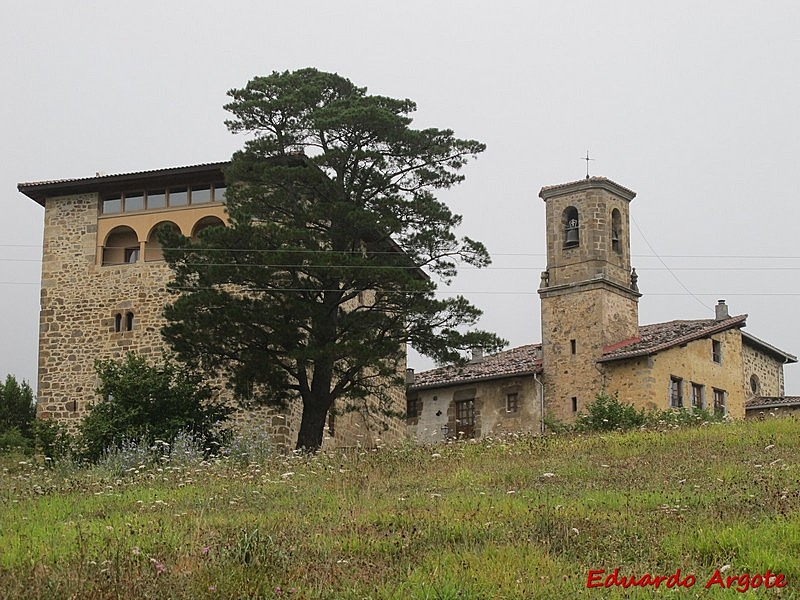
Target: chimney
[
  {"x": 477, "y": 356},
  {"x": 721, "y": 310},
  {"x": 409, "y": 376}
]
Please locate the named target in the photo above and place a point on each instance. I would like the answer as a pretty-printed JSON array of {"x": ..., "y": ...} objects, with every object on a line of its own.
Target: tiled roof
[
  {"x": 661, "y": 336},
  {"x": 584, "y": 184},
  {"x": 523, "y": 360},
  {"x": 752, "y": 340},
  {"x": 38, "y": 190},
  {"x": 763, "y": 402}
]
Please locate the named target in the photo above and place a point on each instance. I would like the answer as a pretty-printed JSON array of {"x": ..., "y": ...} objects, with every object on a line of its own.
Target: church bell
[{"x": 572, "y": 236}]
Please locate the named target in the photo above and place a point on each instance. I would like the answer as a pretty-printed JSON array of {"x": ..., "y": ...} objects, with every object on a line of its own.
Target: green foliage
[
  {"x": 679, "y": 417},
  {"x": 52, "y": 439},
  {"x": 607, "y": 413},
  {"x": 317, "y": 285},
  {"x": 17, "y": 407},
  {"x": 11, "y": 438},
  {"x": 144, "y": 403}
]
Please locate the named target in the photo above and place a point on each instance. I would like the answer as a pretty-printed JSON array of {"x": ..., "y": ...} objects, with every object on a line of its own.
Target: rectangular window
[
  {"x": 512, "y": 403},
  {"x": 716, "y": 351},
  {"x": 134, "y": 202},
  {"x": 219, "y": 193},
  {"x": 574, "y": 404},
  {"x": 157, "y": 199},
  {"x": 412, "y": 408},
  {"x": 465, "y": 418},
  {"x": 178, "y": 196},
  {"x": 112, "y": 205},
  {"x": 697, "y": 396},
  {"x": 676, "y": 392},
  {"x": 719, "y": 402},
  {"x": 201, "y": 195},
  {"x": 573, "y": 346}
]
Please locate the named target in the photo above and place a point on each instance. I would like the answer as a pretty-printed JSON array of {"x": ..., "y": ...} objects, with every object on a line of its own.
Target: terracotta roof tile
[
  {"x": 759, "y": 402},
  {"x": 661, "y": 336},
  {"x": 523, "y": 360},
  {"x": 588, "y": 183}
]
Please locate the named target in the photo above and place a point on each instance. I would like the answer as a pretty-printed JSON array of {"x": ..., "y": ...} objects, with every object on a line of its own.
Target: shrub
[
  {"x": 52, "y": 438},
  {"x": 144, "y": 404},
  {"x": 607, "y": 413},
  {"x": 678, "y": 417}
]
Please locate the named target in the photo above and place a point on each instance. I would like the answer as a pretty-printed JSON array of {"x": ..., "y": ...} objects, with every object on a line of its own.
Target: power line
[
  {"x": 680, "y": 283},
  {"x": 477, "y": 292}
]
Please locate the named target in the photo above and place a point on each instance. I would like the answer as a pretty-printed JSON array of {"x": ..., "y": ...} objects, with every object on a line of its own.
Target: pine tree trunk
[{"x": 312, "y": 426}]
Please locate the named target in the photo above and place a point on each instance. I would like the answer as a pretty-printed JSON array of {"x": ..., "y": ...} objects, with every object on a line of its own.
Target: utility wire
[{"x": 680, "y": 283}]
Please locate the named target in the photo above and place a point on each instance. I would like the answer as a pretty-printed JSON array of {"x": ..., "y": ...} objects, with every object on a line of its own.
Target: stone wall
[
  {"x": 645, "y": 382},
  {"x": 79, "y": 304},
  {"x": 437, "y": 419},
  {"x": 594, "y": 315},
  {"x": 594, "y": 254},
  {"x": 767, "y": 370}
]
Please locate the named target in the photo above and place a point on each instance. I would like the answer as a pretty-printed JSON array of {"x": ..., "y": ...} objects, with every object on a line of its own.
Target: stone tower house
[
  {"x": 589, "y": 297},
  {"x": 104, "y": 288}
]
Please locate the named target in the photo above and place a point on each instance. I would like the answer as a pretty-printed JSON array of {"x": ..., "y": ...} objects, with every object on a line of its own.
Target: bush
[
  {"x": 52, "y": 439},
  {"x": 607, "y": 413},
  {"x": 144, "y": 404},
  {"x": 680, "y": 417}
]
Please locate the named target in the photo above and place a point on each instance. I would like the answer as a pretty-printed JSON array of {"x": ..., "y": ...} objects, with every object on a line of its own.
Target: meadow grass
[{"x": 517, "y": 517}]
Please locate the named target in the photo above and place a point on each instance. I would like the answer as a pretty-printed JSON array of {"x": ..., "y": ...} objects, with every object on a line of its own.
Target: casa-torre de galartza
[{"x": 104, "y": 288}]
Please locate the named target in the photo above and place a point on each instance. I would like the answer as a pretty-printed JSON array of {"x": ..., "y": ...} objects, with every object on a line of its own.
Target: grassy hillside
[{"x": 512, "y": 518}]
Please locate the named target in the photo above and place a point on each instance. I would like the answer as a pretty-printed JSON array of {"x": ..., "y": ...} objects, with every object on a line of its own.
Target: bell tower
[{"x": 589, "y": 295}]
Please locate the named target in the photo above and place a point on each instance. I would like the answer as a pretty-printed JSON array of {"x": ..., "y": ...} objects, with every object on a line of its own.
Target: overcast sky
[{"x": 694, "y": 105}]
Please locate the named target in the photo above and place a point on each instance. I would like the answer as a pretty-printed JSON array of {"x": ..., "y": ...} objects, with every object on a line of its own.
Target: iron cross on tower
[{"x": 587, "y": 159}]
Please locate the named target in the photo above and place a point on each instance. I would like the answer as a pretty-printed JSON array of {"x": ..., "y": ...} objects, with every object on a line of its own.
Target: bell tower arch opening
[
  {"x": 571, "y": 227},
  {"x": 616, "y": 231}
]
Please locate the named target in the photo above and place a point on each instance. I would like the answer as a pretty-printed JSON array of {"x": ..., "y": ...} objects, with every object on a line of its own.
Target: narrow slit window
[
  {"x": 573, "y": 346},
  {"x": 118, "y": 322},
  {"x": 129, "y": 321},
  {"x": 716, "y": 351},
  {"x": 574, "y": 404},
  {"x": 512, "y": 403}
]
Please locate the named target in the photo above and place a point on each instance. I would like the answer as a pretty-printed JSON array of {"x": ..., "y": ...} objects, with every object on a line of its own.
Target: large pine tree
[{"x": 325, "y": 273}]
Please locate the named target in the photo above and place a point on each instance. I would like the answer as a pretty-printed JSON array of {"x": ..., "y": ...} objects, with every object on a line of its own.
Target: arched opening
[
  {"x": 153, "y": 250},
  {"x": 205, "y": 223},
  {"x": 570, "y": 224},
  {"x": 121, "y": 247},
  {"x": 755, "y": 385},
  {"x": 616, "y": 231},
  {"x": 128, "y": 321},
  {"x": 118, "y": 322}
]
